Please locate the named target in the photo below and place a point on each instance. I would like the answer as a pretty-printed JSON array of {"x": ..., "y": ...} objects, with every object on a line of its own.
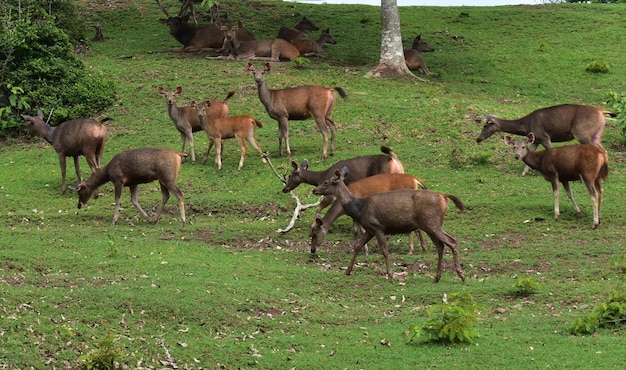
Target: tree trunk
[{"x": 391, "y": 53}]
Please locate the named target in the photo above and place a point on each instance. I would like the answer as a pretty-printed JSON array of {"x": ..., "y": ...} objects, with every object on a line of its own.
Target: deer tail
[
  {"x": 457, "y": 202},
  {"x": 230, "y": 95},
  {"x": 341, "y": 92},
  {"x": 258, "y": 123}
]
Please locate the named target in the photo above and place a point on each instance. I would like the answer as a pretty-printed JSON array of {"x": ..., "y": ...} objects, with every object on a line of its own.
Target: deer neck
[
  {"x": 533, "y": 159},
  {"x": 351, "y": 205},
  {"x": 265, "y": 95},
  {"x": 99, "y": 178},
  {"x": 515, "y": 126},
  {"x": 173, "y": 110}
]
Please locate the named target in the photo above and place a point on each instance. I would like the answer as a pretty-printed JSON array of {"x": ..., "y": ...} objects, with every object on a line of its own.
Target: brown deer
[
  {"x": 413, "y": 58},
  {"x": 298, "y": 103},
  {"x": 395, "y": 212},
  {"x": 186, "y": 118},
  {"x": 218, "y": 129},
  {"x": 274, "y": 50},
  {"x": 198, "y": 37},
  {"x": 361, "y": 188},
  {"x": 308, "y": 47},
  {"x": 296, "y": 32},
  {"x": 134, "y": 167},
  {"x": 83, "y": 136},
  {"x": 553, "y": 124},
  {"x": 586, "y": 162}
]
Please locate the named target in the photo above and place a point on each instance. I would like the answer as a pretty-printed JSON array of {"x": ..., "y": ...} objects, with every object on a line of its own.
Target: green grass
[{"x": 228, "y": 291}]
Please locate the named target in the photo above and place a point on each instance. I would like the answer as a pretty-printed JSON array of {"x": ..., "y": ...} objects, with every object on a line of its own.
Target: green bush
[
  {"x": 451, "y": 321},
  {"x": 38, "y": 57},
  {"x": 525, "y": 287},
  {"x": 617, "y": 103},
  {"x": 598, "y": 66}
]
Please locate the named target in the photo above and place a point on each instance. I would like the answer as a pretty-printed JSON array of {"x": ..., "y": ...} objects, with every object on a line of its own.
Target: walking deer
[
  {"x": 298, "y": 103},
  {"x": 84, "y": 136},
  {"x": 586, "y": 162},
  {"x": 553, "y": 124},
  {"x": 361, "y": 188},
  {"x": 274, "y": 50},
  {"x": 134, "y": 167},
  {"x": 395, "y": 212},
  {"x": 186, "y": 118},
  {"x": 218, "y": 129}
]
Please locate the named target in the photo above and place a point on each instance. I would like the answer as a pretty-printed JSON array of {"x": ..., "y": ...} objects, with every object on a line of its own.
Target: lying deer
[
  {"x": 219, "y": 129},
  {"x": 395, "y": 212},
  {"x": 308, "y": 47},
  {"x": 274, "y": 50},
  {"x": 413, "y": 58},
  {"x": 84, "y": 136},
  {"x": 361, "y": 188},
  {"x": 294, "y": 33},
  {"x": 298, "y": 103},
  {"x": 134, "y": 167},
  {"x": 553, "y": 124},
  {"x": 186, "y": 118},
  {"x": 586, "y": 162}
]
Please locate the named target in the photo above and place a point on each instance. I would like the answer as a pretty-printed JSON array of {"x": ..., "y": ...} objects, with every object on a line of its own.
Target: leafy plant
[
  {"x": 617, "y": 102},
  {"x": 598, "y": 66},
  {"x": 15, "y": 102},
  {"x": 525, "y": 287},
  {"x": 104, "y": 356},
  {"x": 450, "y": 321},
  {"x": 300, "y": 62},
  {"x": 611, "y": 313}
]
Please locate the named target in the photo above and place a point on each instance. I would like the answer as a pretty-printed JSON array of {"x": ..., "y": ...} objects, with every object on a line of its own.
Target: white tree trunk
[{"x": 391, "y": 53}]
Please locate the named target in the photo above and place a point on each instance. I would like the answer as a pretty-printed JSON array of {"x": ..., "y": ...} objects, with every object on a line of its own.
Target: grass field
[{"x": 228, "y": 291}]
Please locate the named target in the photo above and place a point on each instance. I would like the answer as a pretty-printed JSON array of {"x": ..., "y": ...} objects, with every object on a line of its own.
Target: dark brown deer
[
  {"x": 198, "y": 37},
  {"x": 296, "y": 32},
  {"x": 413, "y": 58},
  {"x": 586, "y": 162},
  {"x": 186, "y": 118},
  {"x": 308, "y": 47},
  {"x": 361, "y": 188},
  {"x": 218, "y": 129},
  {"x": 274, "y": 50},
  {"x": 84, "y": 136},
  {"x": 134, "y": 167},
  {"x": 552, "y": 125},
  {"x": 298, "y": 103},
  {"x": 395, "y": 212}
]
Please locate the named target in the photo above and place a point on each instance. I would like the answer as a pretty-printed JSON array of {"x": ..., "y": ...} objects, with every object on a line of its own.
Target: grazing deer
[
  {"x": 298, "y": 103},
  {"x": 271, "y": 50},
  {"x": 134, "y": 167},
  {"x": 219, "y": 129},
  {"x": 412, "y": 56},
  {"x": 197, "y": 37},
  {"x": 395, "y": 212},
  {"x": 186, "y": 118},
  {"x": 308, "y": 47},
  {"x": 586, "y": 162},
  {"x": 552, "y": 125},
  {"x": 361, "y": 188},
  {"x": 296, "y": 32},
  {"x": 73, "y": 138}
]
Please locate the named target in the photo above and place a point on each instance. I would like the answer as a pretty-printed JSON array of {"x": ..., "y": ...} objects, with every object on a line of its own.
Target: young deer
[
  {"x": 134, "y": 167},
  {"x": 361, "y": 188},
  {"x": 553, "y": 125},
  {"x": 294, "y": 33},
  {"x": 274, "y": 50},
  {"x": 586, "y": 162},
  {"x": 218, "y": 129},
  {"x": 73, "y": 138},
  {"x": 395, "y": 212},
  {"x": 298, "y": 103},
  {"x": 308, "y": 47},
  {"x": 186, "y": 118},
  {"x": 413, "y": 58}
]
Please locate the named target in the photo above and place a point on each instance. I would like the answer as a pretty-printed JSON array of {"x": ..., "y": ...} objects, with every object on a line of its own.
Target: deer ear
[
  {"x": 343, "y": 172},
  {"x": 508, "y": 140},
  {"x": 250, "y": 67},
  {"x": 267, "y": 67},
  {"x": 294, "y": 165},
  {"x": 305, "y": 164},
  {"x": 318, "y": 220},
  {"x": 179, "y": 90},
  {"x": 531, "y": 137}
]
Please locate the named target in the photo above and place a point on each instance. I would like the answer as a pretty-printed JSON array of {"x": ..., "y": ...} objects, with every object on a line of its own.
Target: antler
[{"x": 162, "y": 8}]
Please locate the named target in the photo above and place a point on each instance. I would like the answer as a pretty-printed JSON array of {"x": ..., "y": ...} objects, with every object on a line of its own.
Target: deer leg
[
  {"x": 596, "y": 196},
  {"x": 357, "y": 248},
  {"x": 321, "y": 125},
  {"x": 63, "y": 164},
  {"x": 382, "y": 244},
  {"x": 135, "y": 201},
  {"x": 283, "y": 135},
  {"x": 189, "y": 135},
  {"x": 568, "y": 190},
  {"x": 332, "y": 128},
  {"x": 218, "y": 152},
  {"x": 208, "y": 149},
  {"x": 118, "y": 202},
  {"x": 166, "y": 195},
  {"x": 94, "y": 164},
  {"x": 181, "y": 201},
  {"x": 256, "y": 145},
  {"x": 244, "y": 150},
  {"x": 422, "y": 241},
  {"x": 555, "y": 191},
  {"x": 356, "y": 229}
]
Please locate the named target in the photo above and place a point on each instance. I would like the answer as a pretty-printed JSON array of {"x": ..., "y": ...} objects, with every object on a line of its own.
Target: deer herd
[{"x": 373, "y": 190}]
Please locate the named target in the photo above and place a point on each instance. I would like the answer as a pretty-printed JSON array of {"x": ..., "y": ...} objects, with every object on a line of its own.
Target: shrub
[
  {"x": 525, "y": 287},
  {"x": 598, "y": 66},
  {"x": 39, "y": 58},
  {"x": 617, "y": 103},
  {"x": 451, "y": 321},
  {"x": 104, "y": 356}
]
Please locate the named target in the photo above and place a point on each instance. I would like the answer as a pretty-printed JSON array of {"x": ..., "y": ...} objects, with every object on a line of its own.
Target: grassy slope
[{"x": 227, "y": 290}]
